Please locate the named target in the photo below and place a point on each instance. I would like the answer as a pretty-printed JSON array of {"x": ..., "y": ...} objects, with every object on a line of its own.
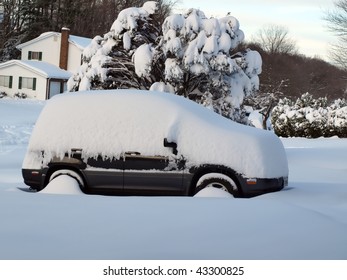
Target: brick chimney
[{"x": 64, "y": 48}]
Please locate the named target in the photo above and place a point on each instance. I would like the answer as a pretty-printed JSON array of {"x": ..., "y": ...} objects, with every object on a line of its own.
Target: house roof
[
  {"x": 80, "y": 42},
  {"x": 41, "y": 68}
]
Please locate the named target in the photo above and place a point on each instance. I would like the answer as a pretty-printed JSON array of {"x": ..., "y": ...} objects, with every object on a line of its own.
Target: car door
[
  {"x": 152, "y": 175},
  {"x": 105, "y": 175}
]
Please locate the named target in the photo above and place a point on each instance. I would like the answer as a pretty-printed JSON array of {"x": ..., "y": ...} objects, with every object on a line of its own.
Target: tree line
[
  {"x": 283, "y": 65},
  {"x": 23, "y": 20}
]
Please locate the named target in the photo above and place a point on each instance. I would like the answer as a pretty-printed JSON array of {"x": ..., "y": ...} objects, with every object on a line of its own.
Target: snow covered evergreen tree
[
  {"x": 109, "y": 61},
  {"x": 191, "y": 55},
  {"x": 200, "y": 64}
]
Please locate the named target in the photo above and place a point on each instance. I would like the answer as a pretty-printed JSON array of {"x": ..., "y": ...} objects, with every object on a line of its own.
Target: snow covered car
[{"x": 149, "y": 143}]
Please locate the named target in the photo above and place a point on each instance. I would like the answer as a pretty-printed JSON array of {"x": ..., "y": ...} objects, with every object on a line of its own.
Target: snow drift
[{"x": 307, "y": 220}]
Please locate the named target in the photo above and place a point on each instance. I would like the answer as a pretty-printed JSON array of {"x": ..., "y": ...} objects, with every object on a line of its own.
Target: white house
[{"x": 47, "y": 62}]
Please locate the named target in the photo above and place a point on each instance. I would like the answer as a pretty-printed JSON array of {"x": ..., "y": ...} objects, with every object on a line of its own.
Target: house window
[
  {"x": 6, "y": 81},
  {"x": 25, "y": 82},
  {"x": 34, "y": 55}
]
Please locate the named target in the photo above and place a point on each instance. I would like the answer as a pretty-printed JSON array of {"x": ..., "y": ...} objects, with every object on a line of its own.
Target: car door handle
[{"x": 132, "y": 153}]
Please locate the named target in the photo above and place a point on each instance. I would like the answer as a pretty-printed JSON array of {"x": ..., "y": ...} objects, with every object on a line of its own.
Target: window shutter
[
  {"x": 10, "y": 82},
  {"x": 29, "y": 55},
  {"x": 20, "y": 83},
  {"x": 40, "y": 56},
  {"x": 34, "y": 83}
]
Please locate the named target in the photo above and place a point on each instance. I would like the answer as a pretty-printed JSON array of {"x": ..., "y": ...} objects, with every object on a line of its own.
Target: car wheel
[
  {"x": 219, "y": 181},
  {"x": 70, "y": 173}
]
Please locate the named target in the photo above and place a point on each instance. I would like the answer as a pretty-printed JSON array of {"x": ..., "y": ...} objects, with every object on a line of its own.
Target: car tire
[
  {"x": 219, "y": 181},
  {"x": 70, "y": 173}
]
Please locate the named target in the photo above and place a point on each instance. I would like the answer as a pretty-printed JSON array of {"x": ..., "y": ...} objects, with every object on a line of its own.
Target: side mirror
[{"x": 172, "y": 145}]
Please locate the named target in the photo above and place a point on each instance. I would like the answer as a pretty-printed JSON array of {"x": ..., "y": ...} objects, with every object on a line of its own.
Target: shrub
[
  {"x": 309, "y": 117},
  {"x": 20, "y": 95}
]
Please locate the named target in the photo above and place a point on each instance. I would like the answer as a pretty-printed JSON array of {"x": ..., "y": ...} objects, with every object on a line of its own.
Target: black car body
[{"x": 149, "y": 149}]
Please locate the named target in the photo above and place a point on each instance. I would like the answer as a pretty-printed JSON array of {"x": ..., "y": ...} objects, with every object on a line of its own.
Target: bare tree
[
  {"x": 12, "y": 21},
  {"x": 275, "y": 39},
  {"x": 337, "y": 24},
  {"x": 264, "y": 101}
]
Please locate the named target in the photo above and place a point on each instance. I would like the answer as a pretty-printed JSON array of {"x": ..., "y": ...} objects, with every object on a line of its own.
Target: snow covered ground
[{"x": 307, "y": 220}]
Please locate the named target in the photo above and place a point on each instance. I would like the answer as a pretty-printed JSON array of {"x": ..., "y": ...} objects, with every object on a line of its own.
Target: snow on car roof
[{"x": 110, "y": 123}]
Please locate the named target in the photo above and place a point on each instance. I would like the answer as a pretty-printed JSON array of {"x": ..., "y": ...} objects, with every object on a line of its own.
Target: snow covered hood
[{"x": 113, "y": 122}]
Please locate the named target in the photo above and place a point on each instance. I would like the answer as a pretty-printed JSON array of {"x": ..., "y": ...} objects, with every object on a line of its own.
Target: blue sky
[{"x": 303, "y": 18}]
